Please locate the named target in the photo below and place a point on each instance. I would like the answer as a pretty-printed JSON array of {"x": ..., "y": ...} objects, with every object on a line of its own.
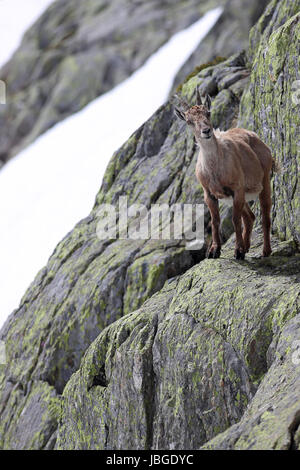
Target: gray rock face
[
  {"x": 229, "y": 36},
  {"x": 244, "y": 318},
  {"x": 123, "y": 344},
  {"x": 89, "y": 283},
  {"x": 270, "y": 106},
  {"x": 185, "y": 366},
  {"x": 272, "y": 420},
  {"x": 78, "y": 50}
]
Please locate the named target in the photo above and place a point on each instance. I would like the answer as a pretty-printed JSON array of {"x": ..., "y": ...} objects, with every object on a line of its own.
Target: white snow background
[
  {"x": 52, "y": 184},
  {"x": 16, "y": 16}
]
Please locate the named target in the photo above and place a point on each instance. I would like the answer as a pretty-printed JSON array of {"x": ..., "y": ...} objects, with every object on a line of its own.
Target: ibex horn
[
  {"x": 182, "y": 103},
  {"x": 199, "y": 100}
]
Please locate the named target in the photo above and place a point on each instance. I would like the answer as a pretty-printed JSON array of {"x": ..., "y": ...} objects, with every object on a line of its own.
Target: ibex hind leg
[
  {"x": 265, "y": 205},
  {"x": 213, "y": 252},
  {"x": 248, "y": 221},
  {"x": 237, "y": 212}
]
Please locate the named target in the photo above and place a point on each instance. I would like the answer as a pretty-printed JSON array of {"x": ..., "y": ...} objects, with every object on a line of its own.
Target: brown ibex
[{"x": 233, "y": 166}]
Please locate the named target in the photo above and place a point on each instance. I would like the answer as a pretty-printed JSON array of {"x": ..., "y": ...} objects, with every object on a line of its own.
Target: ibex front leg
[
  {"x": 213, "y": 205},
  {"x": 265, "y": 204},
  {"x": 238, "y": 208}
]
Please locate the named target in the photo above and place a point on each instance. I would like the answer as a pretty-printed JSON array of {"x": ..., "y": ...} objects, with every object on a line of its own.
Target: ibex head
[{"x": 198, "y": 117}]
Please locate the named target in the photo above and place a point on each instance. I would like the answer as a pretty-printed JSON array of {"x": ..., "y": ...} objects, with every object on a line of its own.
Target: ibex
[{"x": 232, "y": 166}]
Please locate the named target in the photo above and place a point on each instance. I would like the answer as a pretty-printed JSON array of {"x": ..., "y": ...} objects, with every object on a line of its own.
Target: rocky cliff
[
  {"x": 78, "y": 50},
  {"x": 271, "y": 106},
  {"x": 124, "y": 344},
  {"x": 213, "y": 348}
]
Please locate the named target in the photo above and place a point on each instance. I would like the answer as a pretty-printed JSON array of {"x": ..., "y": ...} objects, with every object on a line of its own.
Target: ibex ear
[
  {"x": 199, "y": 100},
  {"x": 207, "y": 102},
  {"x": 179, "y": 114}
]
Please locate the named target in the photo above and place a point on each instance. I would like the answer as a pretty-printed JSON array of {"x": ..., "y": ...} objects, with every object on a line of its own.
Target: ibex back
[{"x": 232, "y": 166}]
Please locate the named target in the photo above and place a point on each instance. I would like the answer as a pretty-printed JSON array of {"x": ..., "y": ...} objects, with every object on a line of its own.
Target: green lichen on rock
[
  {"x": 198, "y": 69},
  {"x": 275, "y": 15},
  {"x": 270, "y": 107},
  {"x": 149, "y": 272},
  {"x": 27, "y": 420}
]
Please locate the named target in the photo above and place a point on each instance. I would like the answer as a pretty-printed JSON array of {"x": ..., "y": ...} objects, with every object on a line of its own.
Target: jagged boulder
[
  {"x": 272, "y": 419},
  {"x": 184, "y": 367},
  {"x": 234, "y": 326}
]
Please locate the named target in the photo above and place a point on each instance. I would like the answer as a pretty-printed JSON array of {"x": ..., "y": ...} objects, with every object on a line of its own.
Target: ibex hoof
[
  {"x": 214, "y": 253},
  {"x": 239, "y": 254},
  {"x": 266, "y": 253}
]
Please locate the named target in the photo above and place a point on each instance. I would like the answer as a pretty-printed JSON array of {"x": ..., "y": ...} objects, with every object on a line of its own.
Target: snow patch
[
  {"x": 15, "y": 19},
  {"x": 51, "y": 185}
]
